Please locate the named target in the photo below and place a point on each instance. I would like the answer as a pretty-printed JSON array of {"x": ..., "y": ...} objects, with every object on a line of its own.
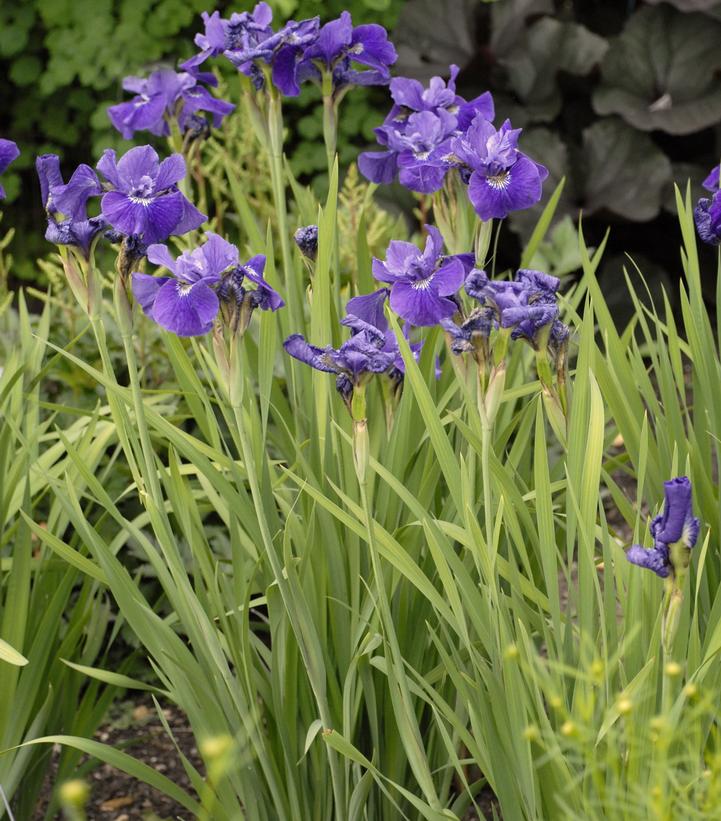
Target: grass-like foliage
[{"x": 404, "y": 611}]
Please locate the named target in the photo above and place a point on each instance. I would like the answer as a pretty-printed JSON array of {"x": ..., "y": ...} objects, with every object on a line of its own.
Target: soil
[{"x": 114, "y": 796}]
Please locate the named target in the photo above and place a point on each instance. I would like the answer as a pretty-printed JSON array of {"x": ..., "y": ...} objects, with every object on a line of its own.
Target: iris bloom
[
  {"x": 188, "y": 302},
  {"x": 66, "y": 203},
  {"x": 8, "y": 153},
  {"x": 337, "y": 47},
  {"x": 422, "y": 281},
  {"x": 676, "y": 528},
  {"x": 707, "y": 213},
  {"x": 144, "y": 199},
  {"x": 418, "y": 130},
  {"x": 163, "y": 96},
  {"x": 501, "y": 179}
]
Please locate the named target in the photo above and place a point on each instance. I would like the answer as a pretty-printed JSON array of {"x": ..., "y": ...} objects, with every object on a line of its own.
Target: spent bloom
[
  {"x": 501, "y": 179},
  {"x": 203, "y": 280},
  {"x": 422, "y": 281},
  {"x": 144, "y": 199},
  {"x": 527, "y": 305},
  {"x": 674, "y": 533},
  {"x": 164, "y": 96},
  {"x": 66, "y": 203},
  {"x": 418, "y": 131},
  {"x": 8, "y": 153},
  {"x": 707, "y": 213},
  {"x": 306, "y": 238},
  {"x": 222, "y": 35}
]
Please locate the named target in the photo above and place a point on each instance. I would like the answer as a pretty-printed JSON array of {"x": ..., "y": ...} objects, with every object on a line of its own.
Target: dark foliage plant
[{"x": 620, "y": 98}]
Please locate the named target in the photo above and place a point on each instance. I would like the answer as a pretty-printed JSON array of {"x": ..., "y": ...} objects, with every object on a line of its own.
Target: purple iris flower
[
  {"x": 364, "y": 313},
  {"x": 712, "y": 183},
  {"x": 421, "y": 281},
  {"x": 144, "y": 199},
  {"x": 417, "y": 144},
  {"x": 677, "y": 524},
  {"x": 164, "y": 95},
  {"x": 66, "y": 204},
  {"x": 707, "y": 216},
  {"x": 188, "y": 302},
  {"x": 258, "y": 45},
  {"x": 8, "y": 153},
  {"x": 338, "y": 46},
  {"x": 527, "y": 304},
  {"x": 502, "y": 179},
  {"x": 228, "y": 35}
]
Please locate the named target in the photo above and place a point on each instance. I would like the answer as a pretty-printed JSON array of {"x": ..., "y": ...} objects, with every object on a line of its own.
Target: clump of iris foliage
[{"x": 394, "y": 583}]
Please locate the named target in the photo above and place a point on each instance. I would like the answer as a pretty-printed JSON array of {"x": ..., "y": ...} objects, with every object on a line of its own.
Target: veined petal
[
  {"x": 420, "y": 306},
  {"x": 186, "y": 310},
  {"x": 170, "y": 172},
  {"x": 160, "y": 255},
  {"x": 145, "y": 289}
]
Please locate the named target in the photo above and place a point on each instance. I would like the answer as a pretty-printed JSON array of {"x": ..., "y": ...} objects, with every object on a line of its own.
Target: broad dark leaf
[
  {"x": 624, "y": 171},
  {"x": 432, "y": 34},
  {"x": 508, "y": 20},
  {"x": 550, "y": 46},
  {"x": 660, "y": 72}
]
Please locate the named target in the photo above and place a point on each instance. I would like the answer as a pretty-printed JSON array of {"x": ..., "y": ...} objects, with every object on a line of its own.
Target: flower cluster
[
  {"x": 422, "y": 282},
  {"x": 8, "y": 152},
  {"x": 299, "y": 51},
  {"x": 140, "y": 199},
  {"x": 204, "y": 281},
  {"x": 429, "y": 132},
  {"x": 674, "y": 533},
  {"x": 371, "y": 349},
  {"x": 167, "y": 96},
  {"x": 707, "y": 213}
]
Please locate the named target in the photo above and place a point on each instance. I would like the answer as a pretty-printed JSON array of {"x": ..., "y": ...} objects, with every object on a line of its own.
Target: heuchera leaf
[
  {"x": 432, "y": 34},
  {"x": 626, "y": 172},
  {"x": 687, "y": 5},
  {"x": 660, "y": 72},
  {"x": 550, "y": 46}
]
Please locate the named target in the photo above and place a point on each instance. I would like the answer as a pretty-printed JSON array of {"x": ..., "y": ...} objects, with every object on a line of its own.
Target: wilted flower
[
  {"x": 306, "y": 238},
  {"x": 163, "y": 96},
  {"x": 501, "y": 178},
  {"x": 418, "y": 130},
  {"x": 707, "y": 216},
  {"x": 145, "y": 199},
  {"x": 188, "y": 302},
  {"x": 526, "y": 304},
  {"x": 8, "y": 152},
  {"x": 674, "y": 533},
  {"x": 421, "y": 281},
  {"x": 222, "y": 35},
  {"x": 66, "y": 204},
  {"x": 365, "y": 313}
]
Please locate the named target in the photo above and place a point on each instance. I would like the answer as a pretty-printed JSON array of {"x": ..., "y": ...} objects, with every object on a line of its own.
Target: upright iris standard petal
[
  {"x": 8, "y": 153},
  {"x": 421, "y": 282},
  {"x": 502, "y": 179},
  {"x": 145, "y": 200},
  {"x": 674, "y": 532},
  {"x": 713, "y": 181}
]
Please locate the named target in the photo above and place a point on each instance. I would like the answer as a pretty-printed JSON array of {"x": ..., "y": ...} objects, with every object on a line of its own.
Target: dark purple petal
[
  {"x": 421, "y": 177},
  {"x": 285, "y": 71},
  {"x": 676, "y": 510},
  {"x": 496, "y": 197},
  {"x": 449, "y": 277},
  {"x": 219, "y": 254},
  {"x": 155, "y": 219},
  {"x": 707, "y": 216},
  {"x": 140, "y": 114},
  {"x": 317, "y": 358},
  {"x": 190, "y": 217},
  {"x": 369, "y": 308},
  {"x": 107, "y": 166},
  {"x": 538, "y": 279},
  {"x": 655, "y": 559},
  {"x": 378, "y": 166},
  {"x": 135, "y": 165},
  {"x": 370, "y": 46},
  {"x": 711, "y": 183},
  {"x": 333, "y": 38},
  {"x": 145, "y": 289},
  {"x": 407, "y": 93},
  {"x": 48, "y": 168},
  {"x": 71, "y": 199},
  {"x": 160, "y": 255},
  {"x": 476, "y": 283},
  {"x": 8, "y": 153},
  {"x": 185, "y": 310},
  {"x": 420, "y": 306},
  {"x": 170, "y": 171}
]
